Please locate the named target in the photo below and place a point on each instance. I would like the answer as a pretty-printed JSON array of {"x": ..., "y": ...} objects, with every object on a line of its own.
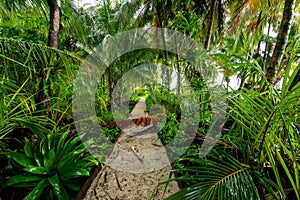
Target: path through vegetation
[{"x": 134, "y": 166}]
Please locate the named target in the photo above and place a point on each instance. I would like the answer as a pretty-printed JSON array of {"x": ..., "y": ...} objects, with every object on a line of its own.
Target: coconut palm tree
[
  {"x": 210, "y": 24},
  {"x": 55, "y": 20},
  {"x": 109, "y": 20},
  {"x": 281, "y": 40}
]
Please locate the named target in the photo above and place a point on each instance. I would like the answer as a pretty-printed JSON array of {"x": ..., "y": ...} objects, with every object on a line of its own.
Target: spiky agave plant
[{"x": 53, "y": 168}]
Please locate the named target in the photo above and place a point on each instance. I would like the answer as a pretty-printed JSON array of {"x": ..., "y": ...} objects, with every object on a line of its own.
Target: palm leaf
[{"x": 220, "y": 176}]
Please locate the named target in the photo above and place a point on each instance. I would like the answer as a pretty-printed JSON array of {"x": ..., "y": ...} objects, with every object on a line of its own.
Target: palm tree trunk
[
  {"x": 55, "y": 13},
  {"x": 53, "y": 36},
  {"x": 110, "y": 85},
  {"x": 178, "y": 69},
  {"x": 220, "y": 17},
  {"x": 159, "y": 24},
  {"x": 282, "y": 39},
  {"x": 121, "y": 102},
  {"x": 210, "y": 24}
]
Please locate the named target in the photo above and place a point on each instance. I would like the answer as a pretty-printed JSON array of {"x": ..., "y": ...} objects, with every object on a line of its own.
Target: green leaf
[
  {"x": 49, "y": 162},
  {"x": 71, "y": 171},
  {"x": 45, "y": 89},
  {"x": 70, "y": 157},
  {"x": 219, "y": 176},
  {"x": 34, "y": 127},
  {"x": 21, "y": 159},
  {"x": 51, "y": 141},
  {"x": 44, "y": 149},
  {"x": 38, "y": 157},
  {"x": 267, "y": 183},
  {"x": 73, "y": 184},
  {"x": 28, "y": 148},
  {"x": 23, "y": 178},
  {"x": 51, "y": 155},
  {"x": 59, "y": 190},
  {"x": 26, "y": 184},
  {"x": 286, "y": 169},
  {"x": 71, "y": 144},
  {"x": 36, "y": 170},
  {"x": 55, "y": 183},
  {"x": 17, "y": 92},
  {"x": 273, "y": 164},
  {"x": 38, "y": 190},
  {"x": 61, "y": 142}
]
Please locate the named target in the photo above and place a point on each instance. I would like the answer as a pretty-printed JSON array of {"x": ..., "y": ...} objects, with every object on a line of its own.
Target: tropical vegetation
[{"x": 256, "y": 44}]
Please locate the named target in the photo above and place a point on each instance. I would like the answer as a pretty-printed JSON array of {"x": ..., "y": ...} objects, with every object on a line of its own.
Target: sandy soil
[{"x": 136, "y": 166}]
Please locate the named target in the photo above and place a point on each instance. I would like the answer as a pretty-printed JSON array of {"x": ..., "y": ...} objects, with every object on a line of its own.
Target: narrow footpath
[{"x": 134, "y": 167}]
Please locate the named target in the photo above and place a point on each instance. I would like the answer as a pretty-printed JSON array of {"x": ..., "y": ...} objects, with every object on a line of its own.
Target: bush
[{"x": 52, "y": 169}]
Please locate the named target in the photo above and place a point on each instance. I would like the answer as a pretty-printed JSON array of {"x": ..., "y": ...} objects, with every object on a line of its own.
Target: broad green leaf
[
  {"x": 71, "y": 171},
  {"x": 55, "y": 184},
  {"x": 49, "y": 161},
  {"x": 70, "y": 157},
  {"x": 44, "y": 149},
  {"x": 28, "y": 148},
  {"x": 59, "y": 190},
  {"x": 36, "y": 170},
  {"x": 26, "y": 184},
  {"x": 48, "y": 164},
  {"x": 23, "y": 178},
  {"x": 51, "y": 141},
  {"x": 71, "y": 144},
  {"x": 73, "y": 184},
  {"x": 38, "y": 190},
  {"x": 51, "y": 155},
  {"x": 38, "y": 157},
  {"x": 61, "y": 142},
  {"x": 21, "y": 159}
]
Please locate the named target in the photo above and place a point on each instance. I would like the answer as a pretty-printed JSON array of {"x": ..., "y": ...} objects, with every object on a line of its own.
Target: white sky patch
[
  {"x": 85, "y": 3},
  {"x": 272, "y": 33}
]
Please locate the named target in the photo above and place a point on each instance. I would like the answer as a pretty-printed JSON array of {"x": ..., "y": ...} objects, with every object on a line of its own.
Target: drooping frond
[{"x": 220, "y": 176}]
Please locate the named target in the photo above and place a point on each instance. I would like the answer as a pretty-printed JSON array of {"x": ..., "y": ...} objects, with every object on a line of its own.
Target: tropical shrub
[
  {"x": 220, "y": 176},
  {"x": 260, "y": 141},
  {"x": 51, "y": 169}
]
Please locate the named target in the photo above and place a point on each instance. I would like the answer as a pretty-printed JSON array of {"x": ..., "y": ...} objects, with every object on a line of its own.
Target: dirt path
[{"x": 133, "y": 169}]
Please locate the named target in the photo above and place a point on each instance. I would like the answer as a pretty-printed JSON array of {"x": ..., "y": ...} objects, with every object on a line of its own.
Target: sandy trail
[{"x": 134, "y": 167}]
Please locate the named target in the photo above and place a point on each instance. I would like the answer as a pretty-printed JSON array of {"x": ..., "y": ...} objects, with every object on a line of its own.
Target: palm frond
[{"x": 220, "y": 176}]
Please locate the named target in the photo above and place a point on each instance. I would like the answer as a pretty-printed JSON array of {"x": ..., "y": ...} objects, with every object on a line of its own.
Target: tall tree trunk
[
  {"x": 220, "y": 18},
  {"x": 177, "y": 60},
  {"x": 159, "y": 24},
  {"x": 210, "y": 24},
  {"x": 53, "y": 36},
  {"x": 111, "y": 85},
  {"x": 281, "y": 40},
  {"x": 121, "y": 102},
  {"x": 55, "y": 13}
]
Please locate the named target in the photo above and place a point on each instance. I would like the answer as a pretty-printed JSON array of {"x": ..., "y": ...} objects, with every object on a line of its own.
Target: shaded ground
[{"x": 133, "y": 169}]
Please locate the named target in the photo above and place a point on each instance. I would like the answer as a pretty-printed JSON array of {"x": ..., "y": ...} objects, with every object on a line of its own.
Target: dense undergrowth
[{"x": 257, "y": 152}]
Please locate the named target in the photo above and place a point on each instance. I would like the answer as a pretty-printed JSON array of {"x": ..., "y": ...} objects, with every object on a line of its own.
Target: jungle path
[{"x": 134, "y": 168}]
